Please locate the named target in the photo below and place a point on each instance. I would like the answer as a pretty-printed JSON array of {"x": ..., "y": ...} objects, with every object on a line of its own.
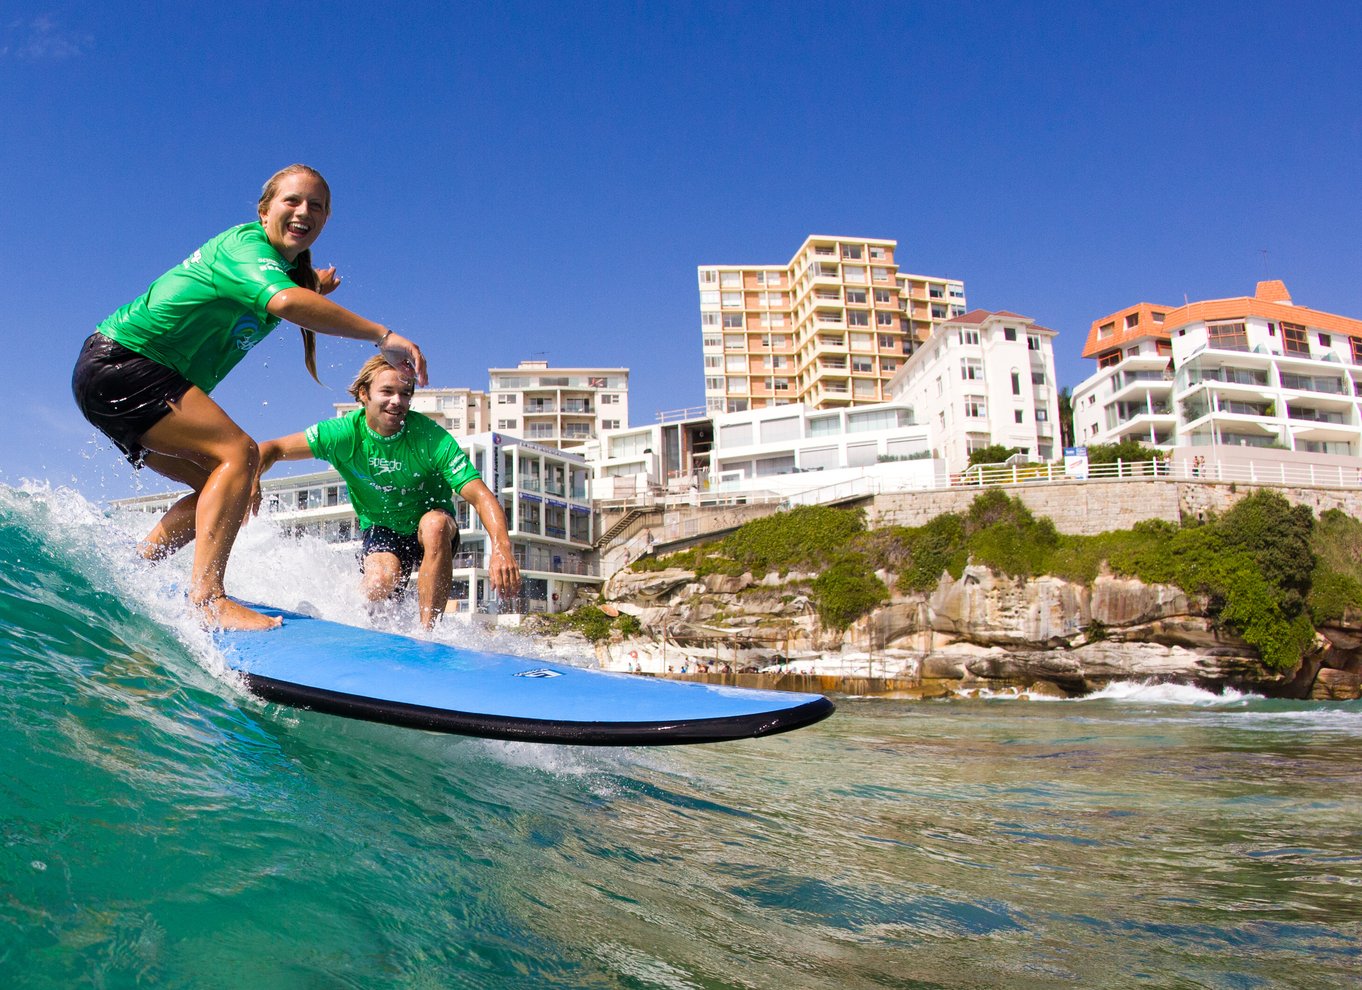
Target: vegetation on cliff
[{"x": 1266, "y": 570}]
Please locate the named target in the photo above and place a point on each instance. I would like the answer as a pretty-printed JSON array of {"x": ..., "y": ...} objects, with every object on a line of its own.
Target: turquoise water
[{"x": 160, "y": 828}]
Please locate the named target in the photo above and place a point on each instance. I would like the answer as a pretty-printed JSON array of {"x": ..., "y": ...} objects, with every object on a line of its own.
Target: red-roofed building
[{"x": 1251, "y": 371}]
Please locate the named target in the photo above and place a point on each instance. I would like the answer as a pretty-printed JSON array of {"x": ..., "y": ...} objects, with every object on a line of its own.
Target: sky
[{"x": 541, "y": 180}]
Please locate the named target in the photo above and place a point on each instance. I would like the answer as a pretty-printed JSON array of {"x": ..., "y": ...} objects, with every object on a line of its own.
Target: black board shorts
[
  {"x": 406, "y": 547},
  {"x": 122, "y": 393}
]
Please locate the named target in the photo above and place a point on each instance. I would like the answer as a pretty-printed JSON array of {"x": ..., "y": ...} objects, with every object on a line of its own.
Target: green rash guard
[
  {"x": 201, "y": 317},
  {"x": 394, "y": 480}
]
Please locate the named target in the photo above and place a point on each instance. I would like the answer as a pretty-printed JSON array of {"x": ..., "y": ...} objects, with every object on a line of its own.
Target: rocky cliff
[{"x": 982, "y": 631}]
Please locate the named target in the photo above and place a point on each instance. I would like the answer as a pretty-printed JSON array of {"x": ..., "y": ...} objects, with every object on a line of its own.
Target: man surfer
[{"x": 402, "y": 469}]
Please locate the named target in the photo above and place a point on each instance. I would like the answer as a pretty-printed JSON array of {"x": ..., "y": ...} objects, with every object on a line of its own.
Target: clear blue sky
[{"x": 520, "y": 180}]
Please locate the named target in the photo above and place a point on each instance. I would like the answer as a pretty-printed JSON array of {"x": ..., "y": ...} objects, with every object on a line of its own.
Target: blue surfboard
[{"x": 383, "y": 677}]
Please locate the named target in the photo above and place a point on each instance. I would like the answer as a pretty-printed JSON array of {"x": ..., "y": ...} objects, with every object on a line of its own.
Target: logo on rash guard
[
  {"x": 246, "y": 332},
  {"x": 382, "y": 465}
]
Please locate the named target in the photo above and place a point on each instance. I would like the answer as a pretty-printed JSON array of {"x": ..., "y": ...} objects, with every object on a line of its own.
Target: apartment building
[
  {"x": 560, "y": 407},
  {"x": 984, "y": 378},
  {"x": 828, "y": 329},
  {"x": 1249, "y": 371}
]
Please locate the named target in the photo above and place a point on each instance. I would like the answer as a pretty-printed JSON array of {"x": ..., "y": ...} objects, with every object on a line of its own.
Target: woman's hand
[
  {"x": 405, "y": 356},
  {"x": 327, "y": 280}
]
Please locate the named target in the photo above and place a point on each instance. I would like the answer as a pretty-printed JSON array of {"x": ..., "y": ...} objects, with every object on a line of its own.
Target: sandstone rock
[
  {"x": 646, "y": 584},
  {"x": 725, "y": 584},
  {"x": 1336, "y": 685},
  {"x": 1128, "y": 602}
]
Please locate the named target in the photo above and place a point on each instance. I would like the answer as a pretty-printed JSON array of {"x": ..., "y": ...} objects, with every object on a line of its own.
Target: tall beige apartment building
[{"x": 828, "y": 329}]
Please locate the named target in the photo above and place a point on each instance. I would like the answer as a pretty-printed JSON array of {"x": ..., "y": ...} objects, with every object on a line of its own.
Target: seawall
[{"x": 1085, "y": 508}]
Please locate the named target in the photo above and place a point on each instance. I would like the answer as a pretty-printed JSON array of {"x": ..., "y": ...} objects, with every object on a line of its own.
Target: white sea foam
[{"x": 1153, "y": 692}]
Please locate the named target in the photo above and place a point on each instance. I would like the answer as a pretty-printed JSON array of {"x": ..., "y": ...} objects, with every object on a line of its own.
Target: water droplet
[{"x": 38, "y": 865}]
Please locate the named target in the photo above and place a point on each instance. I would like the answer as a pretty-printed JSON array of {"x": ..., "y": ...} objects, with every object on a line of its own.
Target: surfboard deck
[{"x": 384, "y": 677}]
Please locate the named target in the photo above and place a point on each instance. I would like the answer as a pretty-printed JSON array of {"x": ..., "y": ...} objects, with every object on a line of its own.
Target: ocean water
[{"x": 161, "y": 828}]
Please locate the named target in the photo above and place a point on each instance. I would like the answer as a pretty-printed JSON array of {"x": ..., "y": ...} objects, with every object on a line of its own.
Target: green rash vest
[
  {"x": 201, "y": 317},
  {"x": 394, "y": 480}
]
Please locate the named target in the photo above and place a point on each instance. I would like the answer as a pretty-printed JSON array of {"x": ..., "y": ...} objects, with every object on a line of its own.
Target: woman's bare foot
[{"x": 220, "y": 612}]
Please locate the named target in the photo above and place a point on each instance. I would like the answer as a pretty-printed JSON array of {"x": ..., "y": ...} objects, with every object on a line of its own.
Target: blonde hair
[
  {"x": 303, "y": 273},
  {"x": 367, "y": 373}
]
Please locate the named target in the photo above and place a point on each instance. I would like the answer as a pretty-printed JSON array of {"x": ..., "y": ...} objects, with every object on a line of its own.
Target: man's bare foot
[{"x": 220, "y": 612}]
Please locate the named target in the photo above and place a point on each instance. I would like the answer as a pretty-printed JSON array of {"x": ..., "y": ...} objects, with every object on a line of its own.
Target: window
[
  {"x": 1157, "y": 317},
  {"x": 610, "y": 424},
  {"x": 1108, "y": 359},
  {"x": 877, "y": 254},
  {"x": 1357, "y": 349},
  {"x": 855, "y": 297},
  {"x": 851, "y": 252},
  {"x": 1042, "y": 415},
  {"x": 1232, "y": 337},
  {"x": 714, "y": 384},
  {"x": 880, "y": 274},
  {"x": 609, "y": 398},
  {"x": 936, "y": 292},
  {"x": 713, "y": 340},
  {"x": 858, "y": 318},
  {"x": 883, "y": 296},
  {"x": 969, "y": 337},
  {"x": 976, "y": 408},
  {"x": 1325, "y": 340},
  {"x": 1032, "y": 342},
  {"x": 862, "y": 365},
  {"x": 938, "y": 312},
  {"x": 824, "y": 426},
  {"x": 1018, "y": 415},
  {"x": 1106, "y": 330},
  {"x": 732, "y": 321},
  {"x": 732, "y": 300},
  {"x": 884, "y": 318},
  {"x": 709, "y": 298},
  {"x": 972, "y": 370},
  {"x": 1037, "y": 378},
  {"x": 713, "y": 362},
  {"x": 505, "y": 424},
  {"x": 1016, "y": 383},
  {"x": 736, "y": 362},
  {"x": 708, "y": 276},
  {"x": 1009, "y": 333},
  {"x": 1132, "y": 321},
  {"x": 506, "y": 400},
  {"x": 734, "y": 342},
  {"x": 1293, "y": 337},
  {"x": 730, "y": 280},
  {"x": 709, "y": 319}
]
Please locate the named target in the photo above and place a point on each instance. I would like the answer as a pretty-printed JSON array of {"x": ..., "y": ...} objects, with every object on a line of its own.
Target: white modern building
[
  {"x": 1250, "y": 371},
  {"x": 981, "y": 379},
  {"x": 560, "y": 407},
  {"x": 781, "y": 449}
]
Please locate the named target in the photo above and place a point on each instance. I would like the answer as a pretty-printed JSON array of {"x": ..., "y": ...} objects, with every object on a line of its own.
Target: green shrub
[
  {"x": 994, "y": 453},
  {"x": 1126, "y": 450},
  {"x": 845, "y": 591}
]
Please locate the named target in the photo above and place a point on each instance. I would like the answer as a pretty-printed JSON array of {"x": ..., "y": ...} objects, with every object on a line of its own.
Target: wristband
[{"x": 379, "y": 342}]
